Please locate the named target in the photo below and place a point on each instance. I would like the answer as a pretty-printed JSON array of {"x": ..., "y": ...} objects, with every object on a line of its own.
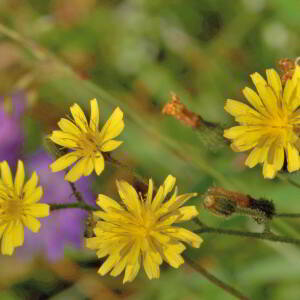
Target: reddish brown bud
[
  {"x": 287, "y": 66},
  {"x": 179, "y": 111}
]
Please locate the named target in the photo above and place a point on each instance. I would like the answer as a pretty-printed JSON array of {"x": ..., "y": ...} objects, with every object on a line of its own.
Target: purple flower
[
  {"x": 11, "y": 133},
  {"x": 62, "y": 227}
]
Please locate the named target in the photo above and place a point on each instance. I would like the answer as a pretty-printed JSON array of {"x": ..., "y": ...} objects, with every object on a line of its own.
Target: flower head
[
  {"x": 141, "y": 231},
  {"x": 18, "y": 207},
  {"x": 270, "y": 126},
  {"x": 86, "y": 141}
]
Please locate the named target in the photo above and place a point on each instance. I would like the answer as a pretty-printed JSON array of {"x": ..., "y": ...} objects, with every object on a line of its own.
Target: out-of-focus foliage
[{"x": 133, "y": 53}]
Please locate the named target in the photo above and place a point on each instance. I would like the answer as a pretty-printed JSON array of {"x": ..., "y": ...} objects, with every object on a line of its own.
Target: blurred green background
[{"x": 132, "y": 54}]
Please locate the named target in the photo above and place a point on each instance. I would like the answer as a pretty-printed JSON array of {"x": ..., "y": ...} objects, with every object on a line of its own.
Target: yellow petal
[
  {"x": 31, "y": 184},
  {"x": 94, "y": 120},
  {"x": 7, "y": 242},
  {"x": 2, "y": 229},
  {"x": 68, "y": 127},
  {"x": 19, "y": 179},
  {"x": 254, "y": 157},
  {"x": 187, "y": 213},
  {"x": 235, "y": 132},
  {"x": 292, "y": 158},
  {"x": 6, "y": 174},
  {"x": 289, "y": 93},
  {"x": 64, "y": 161},
  {"x": 34, "y": 197},
  {"x": 236, "y": 108},
  {"x": 275, "y": 82},
  {"x": 79, "y": 117},
  {"x": 18, "y": 234},
  {"x": 93, "y": 243},
  {"x": 110, "y": 145},
  {"x": 129, "y": 196},
  {"x": 268, "y": 170},
  {"x": 169, "y": 184},
  {"x": 39, "y": 210},
  {"x": 119, "y": 267},
  {"x": 107, "y": 203},
  {"x": 64, "y": 139},
  {"x": 112, "y": 260},
  {"x": 31, "y": 223},
  {"x": 186, "y": 236},
  {"x": 113, "y": 126},
  {"x": 158, "y": 199},
  {"x": 180, "y": 200},
  {"x": 149, "y": 193},
  {"x": 77, "y": 170},
  {"x": 151, "y": 268},
  {"x": 265, "y": 92},
  {"x": 99, "y": 163},
  {"x": 276, "y": 155},
  {"x": 89, "y": 167},
  {"x": 131, "y": 272},
  {"x": 173, "y": 259},
  {"x": 255, "y": 100}
]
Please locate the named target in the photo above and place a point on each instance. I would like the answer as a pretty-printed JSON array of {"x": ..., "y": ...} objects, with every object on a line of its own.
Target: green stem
[
  {"x": 119, "y": 164},
  {"x": 256, "y": 235},
  {"x": 76, "y": 193},
  {"x": 286, "y": 215},
  {"x": 73, "y": 205},
  {"x": 35, "y": 49},
  {"x": 216, "y": 281}
]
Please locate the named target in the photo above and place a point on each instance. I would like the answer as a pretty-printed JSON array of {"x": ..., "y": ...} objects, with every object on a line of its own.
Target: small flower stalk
[
  {"x": 140, "y": 231},
  {"x": 19, "y": 207},
  {"x": 269, "y": 126},
  {"x": 226, "y": 203},
  {"x": 85, "y": 143}
]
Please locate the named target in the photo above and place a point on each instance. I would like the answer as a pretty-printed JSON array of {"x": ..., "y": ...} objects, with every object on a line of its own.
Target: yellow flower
[
  {"x": 18, "y": 207},
  {"x": 141, "y": 231},
  {"x": 270, "y": 126},
  {"x": 86, "y": 141}
]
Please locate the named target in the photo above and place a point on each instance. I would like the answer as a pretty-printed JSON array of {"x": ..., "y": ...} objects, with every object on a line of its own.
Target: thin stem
[
  {"x": 76, "y": 193},
  {"x": 117, "y": 163},
  {"x": 257, "y": 235},
  {"x": 216, "y": 281},
  {"x": 36, "y": 50},
  {"x": 72, "y": 205},
  {"x": 286, "y": 215}
]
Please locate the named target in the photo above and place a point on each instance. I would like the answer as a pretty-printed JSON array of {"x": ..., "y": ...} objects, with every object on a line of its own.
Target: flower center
[
  {"x": 12, "y": 209},
  {"x": 88, "y": 142},
  {"x": 146, "y": 226}
]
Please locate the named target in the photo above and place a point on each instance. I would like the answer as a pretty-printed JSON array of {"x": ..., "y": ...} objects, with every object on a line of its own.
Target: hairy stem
[
  {"x": 216, "y": 281},
  {"x": 76, "y": 193},
  {"x": 287, "y": 215},
  {"x": 73, "y": 205},
  {"x": 256, "y": 235}
]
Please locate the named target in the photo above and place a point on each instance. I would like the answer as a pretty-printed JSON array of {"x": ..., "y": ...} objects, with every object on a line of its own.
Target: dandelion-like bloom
[
  {"x": 18, "y": 207},
  {"x": 141, "y": 231},
  {"x": 86, "y": 141},
  {"x": 271, "y": 126}
]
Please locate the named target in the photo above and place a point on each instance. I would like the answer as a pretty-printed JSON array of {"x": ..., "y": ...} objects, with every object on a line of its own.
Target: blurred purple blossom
[
  {"x": 62, "y": 227},
  {"x": 11, "y": 132}
]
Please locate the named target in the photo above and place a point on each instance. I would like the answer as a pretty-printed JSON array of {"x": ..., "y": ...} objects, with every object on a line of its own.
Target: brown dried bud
[
  {"x": 224, "y": 203},
  {"x": 287, "y": 66},
  {"x": 179, "y": 111}
]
